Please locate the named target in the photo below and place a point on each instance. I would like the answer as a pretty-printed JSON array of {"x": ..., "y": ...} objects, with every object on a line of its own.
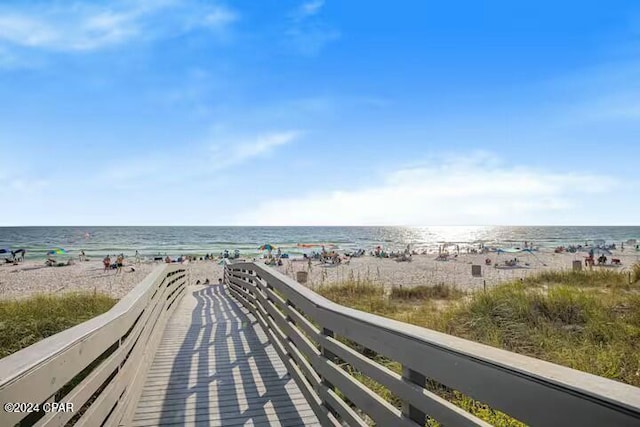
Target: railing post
[
  {"x": 293, "y": 307},
  {"x": 332, "y": 357},
  {"x": 408, "y": 410},
  {"x": 270, "y": 287}
]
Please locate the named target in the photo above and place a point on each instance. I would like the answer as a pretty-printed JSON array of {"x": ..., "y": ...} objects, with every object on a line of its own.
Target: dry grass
[
  {"x": 439, "y": 291},
  {"x": 27, "y": 321}
]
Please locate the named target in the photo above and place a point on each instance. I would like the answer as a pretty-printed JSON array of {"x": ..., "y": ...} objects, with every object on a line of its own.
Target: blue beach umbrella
[{"x": 57, "y": 251}]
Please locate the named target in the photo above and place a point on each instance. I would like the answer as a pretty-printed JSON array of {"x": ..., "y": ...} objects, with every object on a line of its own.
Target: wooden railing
[
  {"x": 96, "y": 368},
  {"x": 323, "y": 343}
]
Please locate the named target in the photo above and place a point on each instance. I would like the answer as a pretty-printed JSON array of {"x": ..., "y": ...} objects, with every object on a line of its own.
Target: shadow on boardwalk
[{"x": 223, "y": 373}]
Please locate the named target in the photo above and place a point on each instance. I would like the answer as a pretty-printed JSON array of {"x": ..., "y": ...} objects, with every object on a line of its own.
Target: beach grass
[
  {"x": 588, "y": 321},
  {"x": 422, "y": 292},
  {"x": 636, "y": 273},
  {"x": 600, "y": 277},
  {"x": 26, "y": 321}
]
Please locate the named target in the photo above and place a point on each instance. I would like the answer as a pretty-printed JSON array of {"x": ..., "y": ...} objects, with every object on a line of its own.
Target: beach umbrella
[
  {"x": 267, "y": 247},
  {"x": 57, "y": 251}
]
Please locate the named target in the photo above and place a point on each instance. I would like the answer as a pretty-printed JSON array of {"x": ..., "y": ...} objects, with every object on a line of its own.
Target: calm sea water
[{"x": 174, "y": 241}]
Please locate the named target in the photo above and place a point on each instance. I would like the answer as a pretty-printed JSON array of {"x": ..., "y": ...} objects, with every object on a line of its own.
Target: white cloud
[
  {"x": 307, "y": 33},
  {"x": 219, "y": 17},
  {"x": 25, "y": 30},
  {"x": 87, "y": 26},
  {"x": 311, "y": 8},
  {"x": 232, "y": 152},
  {"x": 195, "y": 163},
  {"x": 467, "y": 191}
]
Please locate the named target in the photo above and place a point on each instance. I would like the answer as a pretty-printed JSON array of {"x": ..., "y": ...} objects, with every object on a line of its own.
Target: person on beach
[
  {"x": 50, "y": 261},
  {"x": 167, "y": 260},
  {"x": 21, "y": 253},
  {"x": 119, "y": 263},
  {"x": 107, "y": 263}
]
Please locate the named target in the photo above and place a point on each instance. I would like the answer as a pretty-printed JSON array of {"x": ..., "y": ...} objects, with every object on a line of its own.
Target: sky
[{"x": 319, "y": 112}]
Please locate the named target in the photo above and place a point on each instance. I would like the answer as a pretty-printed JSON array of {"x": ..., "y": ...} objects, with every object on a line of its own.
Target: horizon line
[{"x": 324, "y": 225}]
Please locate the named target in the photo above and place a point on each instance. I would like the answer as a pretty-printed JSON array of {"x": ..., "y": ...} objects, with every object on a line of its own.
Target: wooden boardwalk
[
  {"x": 169, "y": 353},
  {"x": 215, "y": 367}
]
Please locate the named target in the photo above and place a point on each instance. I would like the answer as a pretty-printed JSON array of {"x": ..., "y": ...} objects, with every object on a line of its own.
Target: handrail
[
  {"x": 309, "y": 331},
  {"x": 97, "y": 366}
]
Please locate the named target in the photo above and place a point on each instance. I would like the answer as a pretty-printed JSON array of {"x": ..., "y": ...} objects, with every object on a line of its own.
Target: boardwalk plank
[{"x": 215, "y": 366}]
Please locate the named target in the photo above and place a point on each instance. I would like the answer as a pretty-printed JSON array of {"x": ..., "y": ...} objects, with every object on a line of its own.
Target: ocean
[{"x": 175, "y": 241}]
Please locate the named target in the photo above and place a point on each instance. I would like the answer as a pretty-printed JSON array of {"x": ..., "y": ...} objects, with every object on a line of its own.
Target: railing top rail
[
  {"x": 21, "y": 362},
  {"x": 587, "y": 384}
]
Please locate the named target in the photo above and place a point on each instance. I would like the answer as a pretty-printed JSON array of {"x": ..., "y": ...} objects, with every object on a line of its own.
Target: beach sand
[
  {"x": 425, "y": 270},
  {"x": 31, "y": 277}
]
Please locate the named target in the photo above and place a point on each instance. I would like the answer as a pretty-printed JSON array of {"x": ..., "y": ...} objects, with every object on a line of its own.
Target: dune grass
[
  {"x": 636, "y": 273},
  {"x": 584, "y": 320},
  {"x": 26, "y": 321},
  {"x": 439, "y": 291},
  {"x": 600, "y": 277}
]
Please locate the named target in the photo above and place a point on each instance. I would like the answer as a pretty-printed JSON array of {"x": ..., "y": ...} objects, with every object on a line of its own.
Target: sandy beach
[
  {"x": 30, "y": 277},
  {"x": 425, "y": 270}
]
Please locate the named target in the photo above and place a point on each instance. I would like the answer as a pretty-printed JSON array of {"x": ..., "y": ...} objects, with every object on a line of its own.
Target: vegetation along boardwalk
[{"x": 262, "y": 349}]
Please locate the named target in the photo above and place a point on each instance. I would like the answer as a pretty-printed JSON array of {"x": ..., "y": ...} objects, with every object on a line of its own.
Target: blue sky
[{"x": 319, "y": 112}]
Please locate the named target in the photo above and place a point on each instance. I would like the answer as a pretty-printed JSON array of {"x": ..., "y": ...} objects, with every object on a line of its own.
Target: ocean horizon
[{"x": 149, "y": 241}]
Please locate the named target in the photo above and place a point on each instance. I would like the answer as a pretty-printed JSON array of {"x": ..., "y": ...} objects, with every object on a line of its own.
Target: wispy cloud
[
  {"x": 310, "y": 8},
  {"x": 88, "y": 26},
  {"x": 199, "y": 161},
  {"x": 233, "y": 152},
  {"x": 219, "y": 17},
  {"x": 308, "y": 34},
  {"x": 462, "y": 191},
  {"x": 605, "y": 92}
]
